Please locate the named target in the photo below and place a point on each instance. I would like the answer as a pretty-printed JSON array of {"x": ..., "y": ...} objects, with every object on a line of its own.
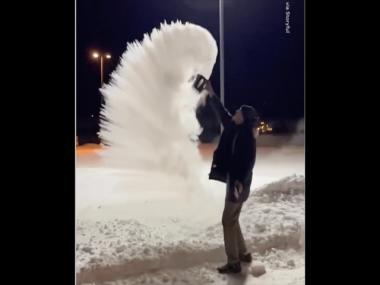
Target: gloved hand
[{"x": 209, "y": 88}]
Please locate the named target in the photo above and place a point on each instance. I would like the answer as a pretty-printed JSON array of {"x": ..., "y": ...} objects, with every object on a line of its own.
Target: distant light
[
  {"x": 262, "y": 123},
  {"x": 92, "y": 116},
  {"x": 95, "y": 55},
  {"x": 108, "y": 56}
]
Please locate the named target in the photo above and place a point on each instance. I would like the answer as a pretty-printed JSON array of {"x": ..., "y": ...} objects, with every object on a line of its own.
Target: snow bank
[{"x": 272, "y": 221}]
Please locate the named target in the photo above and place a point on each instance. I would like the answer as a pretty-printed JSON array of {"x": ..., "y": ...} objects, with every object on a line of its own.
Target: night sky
[{"x": 264, "y": 66}]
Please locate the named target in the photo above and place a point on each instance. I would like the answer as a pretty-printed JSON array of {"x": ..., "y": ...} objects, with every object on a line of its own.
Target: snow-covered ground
[{"x": 164, "y": 235}]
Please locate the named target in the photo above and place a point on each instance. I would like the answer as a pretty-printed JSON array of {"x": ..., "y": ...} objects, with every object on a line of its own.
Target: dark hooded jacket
[{"x": 235, "y": 156}]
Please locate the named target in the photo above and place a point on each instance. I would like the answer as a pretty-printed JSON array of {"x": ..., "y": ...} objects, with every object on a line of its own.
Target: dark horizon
[{"x": 264, "y": 66}]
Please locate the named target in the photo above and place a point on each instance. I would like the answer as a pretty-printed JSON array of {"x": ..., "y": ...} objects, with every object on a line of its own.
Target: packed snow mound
[
  {"x": 286, "y": 188},
  {"x": 272, "y": 222},
  {"x": 206, "y": 274}
]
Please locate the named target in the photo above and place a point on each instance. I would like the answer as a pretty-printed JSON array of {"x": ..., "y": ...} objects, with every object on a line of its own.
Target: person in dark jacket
[{"x": 233, "y": 162}]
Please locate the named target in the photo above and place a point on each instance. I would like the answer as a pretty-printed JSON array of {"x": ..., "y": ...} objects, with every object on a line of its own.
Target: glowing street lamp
[{"x": 97, "y": 55}]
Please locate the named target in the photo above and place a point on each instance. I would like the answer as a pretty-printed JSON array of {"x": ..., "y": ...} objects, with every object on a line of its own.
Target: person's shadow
[{"x": 238, "y": 279}]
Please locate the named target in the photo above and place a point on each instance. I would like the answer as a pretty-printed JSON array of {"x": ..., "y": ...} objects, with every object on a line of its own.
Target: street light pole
[
  {"x": 101, "y": 70},
  {"x": 97, "y": 55},
  {"x": 221, "y": 45}
]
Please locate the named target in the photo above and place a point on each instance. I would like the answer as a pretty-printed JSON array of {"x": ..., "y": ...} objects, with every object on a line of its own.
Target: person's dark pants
[{"x": 233, "y": 238}]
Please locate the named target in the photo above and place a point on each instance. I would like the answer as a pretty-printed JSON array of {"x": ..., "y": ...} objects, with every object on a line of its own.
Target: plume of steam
[{"x": 148, "y": 120}]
